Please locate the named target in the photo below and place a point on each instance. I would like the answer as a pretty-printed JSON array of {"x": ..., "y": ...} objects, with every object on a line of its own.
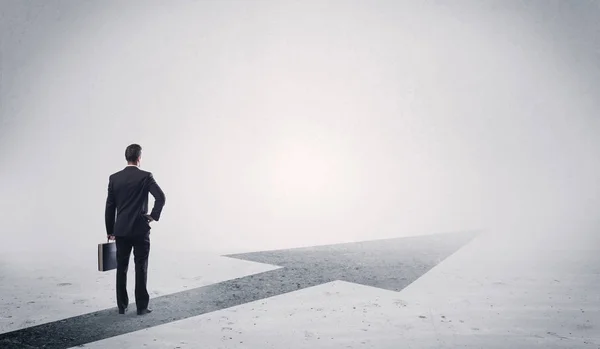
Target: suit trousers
[{"x": 141, "y": 250}]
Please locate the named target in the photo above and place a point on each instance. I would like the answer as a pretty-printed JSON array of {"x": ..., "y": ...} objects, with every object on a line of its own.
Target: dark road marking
[{"x": 391, "y": 264}]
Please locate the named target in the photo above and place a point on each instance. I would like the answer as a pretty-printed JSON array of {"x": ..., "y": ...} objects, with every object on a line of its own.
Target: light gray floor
[{"x": 496, "y": 292}]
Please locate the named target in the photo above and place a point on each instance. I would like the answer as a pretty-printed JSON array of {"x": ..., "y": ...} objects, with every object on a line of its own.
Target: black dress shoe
[
  {"x": 144, "y": 311},
  {"x": 122, "y": 311}
]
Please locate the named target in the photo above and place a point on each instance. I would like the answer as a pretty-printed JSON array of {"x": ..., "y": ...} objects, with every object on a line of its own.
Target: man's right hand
[{"x": 149, "y": 217}]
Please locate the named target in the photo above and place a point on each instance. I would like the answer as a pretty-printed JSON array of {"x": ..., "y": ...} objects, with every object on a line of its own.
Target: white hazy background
[{"x": 273, "y": 124}]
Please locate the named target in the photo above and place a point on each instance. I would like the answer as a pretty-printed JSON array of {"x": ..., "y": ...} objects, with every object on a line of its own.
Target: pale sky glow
[
  {"x": 302, "y": 170},
  {"x": 278, "y": 123}
]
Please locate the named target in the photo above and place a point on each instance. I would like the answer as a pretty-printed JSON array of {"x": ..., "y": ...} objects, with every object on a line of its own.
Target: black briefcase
[{"x": 107, "y": 256}]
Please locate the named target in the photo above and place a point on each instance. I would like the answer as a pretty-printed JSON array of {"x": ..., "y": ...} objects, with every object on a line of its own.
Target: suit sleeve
[
  {"x": 159, "y": 197},
  {"x": 111, "y": 209}
]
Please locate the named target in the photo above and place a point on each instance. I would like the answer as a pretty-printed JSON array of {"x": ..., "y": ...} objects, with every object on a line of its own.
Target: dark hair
[{"x": 133, "y": 153}]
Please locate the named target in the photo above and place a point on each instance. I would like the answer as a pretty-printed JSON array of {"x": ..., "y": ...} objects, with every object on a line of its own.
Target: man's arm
[
  {"x": 111, "y": 210},
  {"x": 159, "y": 197}
]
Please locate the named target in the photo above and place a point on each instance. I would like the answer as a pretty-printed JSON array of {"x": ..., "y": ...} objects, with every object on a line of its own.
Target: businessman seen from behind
[{"x": 128, "y": 223}]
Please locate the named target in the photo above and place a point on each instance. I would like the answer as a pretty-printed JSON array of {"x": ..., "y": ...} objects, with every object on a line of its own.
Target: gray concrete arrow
[{"x": 390, "y": 264}]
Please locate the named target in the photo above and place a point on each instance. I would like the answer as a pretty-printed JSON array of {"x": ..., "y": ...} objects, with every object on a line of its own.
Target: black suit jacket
[{"x": 127, "y": 202}]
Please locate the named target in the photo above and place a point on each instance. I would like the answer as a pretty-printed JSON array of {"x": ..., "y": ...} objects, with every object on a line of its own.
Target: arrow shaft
[{"x": 107, "y": 323}]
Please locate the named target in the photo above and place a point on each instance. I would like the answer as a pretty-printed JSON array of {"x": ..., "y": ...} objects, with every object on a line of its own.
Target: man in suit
[{"x": 128, "y": 223}]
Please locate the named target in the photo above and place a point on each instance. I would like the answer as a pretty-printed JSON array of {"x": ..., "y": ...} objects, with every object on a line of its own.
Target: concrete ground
[{"x": 494, "y": 292}]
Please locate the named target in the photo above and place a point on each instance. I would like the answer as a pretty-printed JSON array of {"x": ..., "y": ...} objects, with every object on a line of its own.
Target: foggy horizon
[{"x": 283, "y": 124}]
